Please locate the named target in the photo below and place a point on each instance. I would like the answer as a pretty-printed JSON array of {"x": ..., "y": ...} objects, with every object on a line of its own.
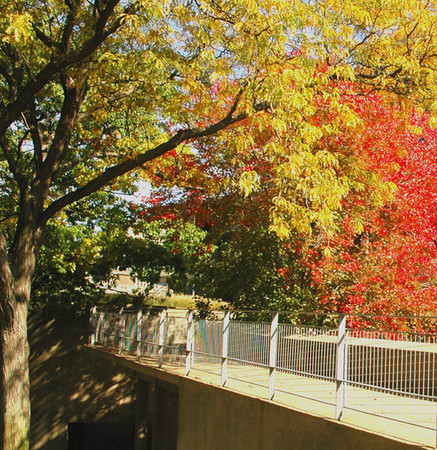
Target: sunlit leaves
[
  {"x": 291, "y": 73},
  {"x": 384, "y": 258},
  {"x": 19, "y": 31},
  {"x": 249, "y": 182}
]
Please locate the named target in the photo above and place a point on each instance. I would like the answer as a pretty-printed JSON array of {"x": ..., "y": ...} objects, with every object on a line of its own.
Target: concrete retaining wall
[
  {"x": 71, "y": 386},
  {"x": 214, "y": 418}
]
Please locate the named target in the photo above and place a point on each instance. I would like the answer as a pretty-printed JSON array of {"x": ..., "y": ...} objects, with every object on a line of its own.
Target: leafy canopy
[{"x": 91, "y": 92}]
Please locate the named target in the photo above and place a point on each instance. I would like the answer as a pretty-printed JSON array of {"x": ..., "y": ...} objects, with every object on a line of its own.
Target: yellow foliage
[
  {"x": 327, "y": 252},
  {"x": 19, "y": 31},
  {"x": 176, "y": 65},
  {"x": 249, "y": 182},
  {"x": 433, "y": 122}
]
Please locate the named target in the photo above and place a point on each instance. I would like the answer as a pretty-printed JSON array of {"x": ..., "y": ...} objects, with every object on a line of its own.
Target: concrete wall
[
  {"x": 214, "y": 418},
  {"x": 71, "y": 386},
  {"x": 210, "y": 417}
]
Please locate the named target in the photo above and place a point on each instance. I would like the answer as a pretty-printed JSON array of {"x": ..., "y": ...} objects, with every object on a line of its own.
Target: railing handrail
[{"x": 317, "y": 313}]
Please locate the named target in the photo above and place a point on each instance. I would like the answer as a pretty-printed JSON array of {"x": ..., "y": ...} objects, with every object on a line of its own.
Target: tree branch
[
  {"x": 36, "y": 138},
  {"x": 46, "y": 40},
  {"x": 60, "y": 62},
  {"x": 74, "y": 94},
  {"x": 19, "y": 178},
  {"x": 129, "y": 164}
]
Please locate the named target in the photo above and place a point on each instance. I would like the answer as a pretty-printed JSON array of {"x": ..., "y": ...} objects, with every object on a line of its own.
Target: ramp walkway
[{"x": 381, "y": 381}]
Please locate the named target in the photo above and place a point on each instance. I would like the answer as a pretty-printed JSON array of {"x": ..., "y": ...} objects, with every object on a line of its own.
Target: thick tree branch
[
  {"x": 46, "y": 40},
  {"x": 128, "y": 165},
  {"x": 74, "y": 93},
  {"x": 69, "y": 25},
  {"x": 36, "y": 138}
]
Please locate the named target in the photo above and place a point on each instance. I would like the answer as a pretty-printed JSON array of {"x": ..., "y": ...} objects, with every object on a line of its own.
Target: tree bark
[
  {"x": 15, "y": 288},
  {"x": 14, "y": 385}
]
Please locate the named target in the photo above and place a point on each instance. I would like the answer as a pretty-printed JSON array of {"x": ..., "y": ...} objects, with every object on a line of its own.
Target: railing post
[
  {"x": 93, "y": 326},
  {"x": 139, "y": 333},
  {"x": 273, "y": 354},
  {"x": 190, "y": 343},
  {"x": 105, "y": 329},
  {"x": 121, "y": 331},
  {"x": 225, "y": 346},
  {"x": 161, "y": 338},
  {"x": 341, "y": 365}
]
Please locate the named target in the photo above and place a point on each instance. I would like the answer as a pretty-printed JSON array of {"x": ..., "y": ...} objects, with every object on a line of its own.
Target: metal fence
[{"x": 388, "y": 373}]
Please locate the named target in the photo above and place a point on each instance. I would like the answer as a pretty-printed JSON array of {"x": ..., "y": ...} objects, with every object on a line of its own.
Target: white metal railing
[{"x": 388, "y": 373}]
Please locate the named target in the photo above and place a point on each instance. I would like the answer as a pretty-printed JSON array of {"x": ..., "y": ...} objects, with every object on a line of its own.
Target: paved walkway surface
[{"x": 408, "y": 419}]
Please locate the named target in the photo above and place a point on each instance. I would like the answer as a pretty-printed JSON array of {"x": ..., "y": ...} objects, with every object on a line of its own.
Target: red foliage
[{"x": 390, "y": 268}]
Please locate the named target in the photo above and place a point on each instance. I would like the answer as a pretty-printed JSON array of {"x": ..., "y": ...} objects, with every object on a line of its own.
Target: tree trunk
[
  {"x": 14, "y": 347},
  {"x": 14, "y": 386}
]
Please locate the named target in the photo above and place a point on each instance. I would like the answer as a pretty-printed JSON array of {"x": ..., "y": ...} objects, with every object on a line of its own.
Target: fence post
[
  {"x": 273, "y": 354},
  {"x": 190, "y": 343},
  {"x": 105, "y": 329},
  {"x": 139, "y": 333},
  {"x": 93, "y": 326},
  {"x": 225, "y": 346},
  {"x": 341, "y": 364},
  {"x": 161, "y": 341},
  {"x": 121, "y": 331}
]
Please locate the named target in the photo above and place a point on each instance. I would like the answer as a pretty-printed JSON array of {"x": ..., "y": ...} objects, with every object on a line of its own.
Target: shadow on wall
[{"x": 69, "y": 386}]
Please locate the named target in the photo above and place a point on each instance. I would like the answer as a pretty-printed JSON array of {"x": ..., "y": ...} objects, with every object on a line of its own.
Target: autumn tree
[
  {"x": 388, "y": 267},
  {"x": 240, "y": 259},
  {"x": 93, "y": 91},
  {"x": 381, "y": 256}
]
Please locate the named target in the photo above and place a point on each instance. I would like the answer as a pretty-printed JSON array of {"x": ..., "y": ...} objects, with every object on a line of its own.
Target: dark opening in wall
[
  {"x": 100, "y": 436},
  {"x": 165, "y": 430}
]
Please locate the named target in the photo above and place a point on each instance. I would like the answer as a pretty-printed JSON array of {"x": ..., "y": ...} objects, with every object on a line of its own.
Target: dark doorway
[
  {"x": 165, "y": 430},
  {"x": 100, "y": 436}
]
